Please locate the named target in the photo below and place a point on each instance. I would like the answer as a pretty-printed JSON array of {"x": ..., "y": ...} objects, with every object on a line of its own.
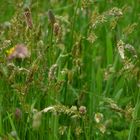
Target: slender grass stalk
[
  {"x": 133, "y": 123},
  {"x": 69, "y": 65},
  {"x": 12, "y": 125}
]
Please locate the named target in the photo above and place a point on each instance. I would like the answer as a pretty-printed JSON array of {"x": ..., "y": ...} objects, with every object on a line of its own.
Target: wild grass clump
[{"x": 69, "y": 70}]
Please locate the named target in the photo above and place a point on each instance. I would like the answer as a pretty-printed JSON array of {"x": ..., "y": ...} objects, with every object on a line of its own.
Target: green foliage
[{"x": 69, "y": 70}]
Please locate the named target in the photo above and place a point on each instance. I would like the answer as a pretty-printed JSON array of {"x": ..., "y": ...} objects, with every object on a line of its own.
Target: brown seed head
[
  {"x": 28, "y": 17},
  {"x": 51, "y": 17}
]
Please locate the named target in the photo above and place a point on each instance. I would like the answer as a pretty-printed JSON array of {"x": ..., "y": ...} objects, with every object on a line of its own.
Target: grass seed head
[
  {"x": 82, "y": 110},
  {"x": 98, "y": 117},
  {"x": 51, "y": 17},
  {"x": 28, "y": 17},
  {"x": 37, "y": 120},
  {"x": 57, "y": 30}
]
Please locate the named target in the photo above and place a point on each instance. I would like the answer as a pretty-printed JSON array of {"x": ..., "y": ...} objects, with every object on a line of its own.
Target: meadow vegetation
[{"x": 69, "y": 70}]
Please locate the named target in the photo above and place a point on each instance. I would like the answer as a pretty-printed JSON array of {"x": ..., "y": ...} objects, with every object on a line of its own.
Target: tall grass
[{"x": 80, "y": 77}]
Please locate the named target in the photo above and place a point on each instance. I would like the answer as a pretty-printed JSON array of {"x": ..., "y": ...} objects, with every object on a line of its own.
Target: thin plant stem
[{"x": 133, "y": 127}]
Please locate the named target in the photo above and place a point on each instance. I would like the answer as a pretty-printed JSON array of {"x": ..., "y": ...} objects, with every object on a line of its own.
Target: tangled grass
[{"x": 69, "y": 70}]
